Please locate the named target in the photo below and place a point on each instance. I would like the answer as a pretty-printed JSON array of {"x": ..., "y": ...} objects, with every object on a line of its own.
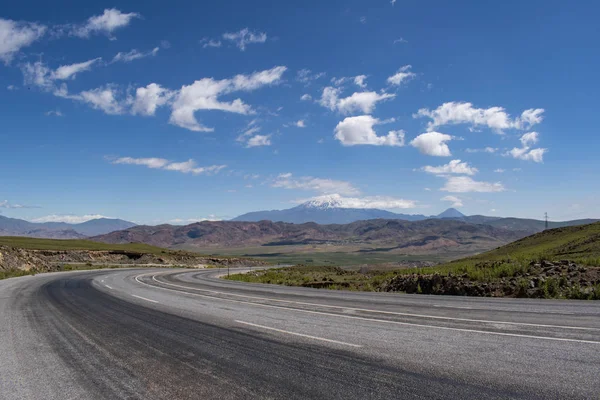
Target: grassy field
[
  {"x": 59, "y": 244},
  {"x": 579, "y": 244},
  {"x": 348, "y": 256}
]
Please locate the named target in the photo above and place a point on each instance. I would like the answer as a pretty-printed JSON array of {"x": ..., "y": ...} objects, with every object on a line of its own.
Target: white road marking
[
  {"x": 376, "y": 311},
  {"x": 108, "y": 287},
  {"x": 297, "y": 334},
  {"x": 143, "y": 298},
  {"x": 372, "y": 319}
]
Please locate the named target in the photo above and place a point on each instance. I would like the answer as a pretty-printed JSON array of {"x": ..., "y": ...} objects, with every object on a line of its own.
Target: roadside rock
[
  {"x": 545, "y": 279},
  {"x": 12, "y": 258}
]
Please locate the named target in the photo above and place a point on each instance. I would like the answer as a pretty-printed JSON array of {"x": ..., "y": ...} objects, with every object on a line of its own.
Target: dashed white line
[
  {"x": 108, "y": 287},
  {"x": 297, "y": 334},
  {"x": 373, "y": 311},
  {"x": 370, "y": 319},
  {"x": 143, "y": 298}
]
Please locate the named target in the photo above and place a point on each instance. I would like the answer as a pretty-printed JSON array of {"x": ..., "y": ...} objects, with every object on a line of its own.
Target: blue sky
[{"x": 201, "y": 110}]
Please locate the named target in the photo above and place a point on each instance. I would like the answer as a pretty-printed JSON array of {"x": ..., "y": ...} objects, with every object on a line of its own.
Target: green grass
[
  {"x": 59, "y": 244},
  {"x": 311, "y": 276},
  {"x": 292, "y": 255},
  {"x": 580, "y": 244}
]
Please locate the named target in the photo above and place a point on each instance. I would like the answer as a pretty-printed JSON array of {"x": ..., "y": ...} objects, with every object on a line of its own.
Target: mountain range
[
  {"x": 408, "y": 237},
  {"x": 332, "y": 210},
  {"x": 61, "y": 230}
]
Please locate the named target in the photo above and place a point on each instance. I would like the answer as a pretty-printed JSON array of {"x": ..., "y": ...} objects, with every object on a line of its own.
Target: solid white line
[
  {"x": 297, "y": 334},
  {"x": 371, "y": 319},
  {"x": 378, "y": 311},
  {"x": 108, "y": 287},
  {"x": 143, "y": 298}
]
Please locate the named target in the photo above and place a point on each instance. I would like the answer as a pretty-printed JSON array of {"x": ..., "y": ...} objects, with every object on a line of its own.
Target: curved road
[{"x": 182, "y": 334}]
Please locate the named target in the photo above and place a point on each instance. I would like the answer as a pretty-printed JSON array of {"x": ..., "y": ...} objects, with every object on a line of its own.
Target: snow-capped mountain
[
  {"x": 324, "y": 202},
  {"x": 326, "y": 210}
]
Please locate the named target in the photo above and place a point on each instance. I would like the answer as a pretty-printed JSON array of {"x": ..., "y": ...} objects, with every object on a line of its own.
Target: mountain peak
[
  {"x": 324, "y": 202},
  {"x": 451, "y": 213}
]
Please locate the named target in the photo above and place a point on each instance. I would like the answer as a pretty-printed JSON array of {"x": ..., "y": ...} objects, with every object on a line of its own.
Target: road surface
[{"x": 186, "y": 334}]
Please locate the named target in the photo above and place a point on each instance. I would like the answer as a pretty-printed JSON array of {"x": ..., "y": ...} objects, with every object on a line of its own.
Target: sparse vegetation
[
  {"x": 519, "y": 269},
  {"x": 69, "y": 244}
]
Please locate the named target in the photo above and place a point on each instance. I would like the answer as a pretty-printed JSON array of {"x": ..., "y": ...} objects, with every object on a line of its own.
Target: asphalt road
[{"x": 182, "y": 334}]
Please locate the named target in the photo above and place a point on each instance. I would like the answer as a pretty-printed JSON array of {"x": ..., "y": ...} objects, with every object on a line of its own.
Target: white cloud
[
  {"x": 490, "y": 150},
  {"x": 186, "y": 167},
  {"x": 16, "y": 35},
  {"x": 56, "y": 113},
  {"x": 69, "y": 219},
  {"x": 359, "y": 131},
  {"x": 400, "y": 40},
  {"x": 499, "y": 170},
  {"x": 432, "y": 144},
  {"x": 148, "y": 98},
  {"x": 329, "y": 97},
  {"x": 12, "y": 87},
  {"x": 381, "y": 202},
  {"x": 525, "y": 152},
  {"x": 185, "y": 221},
  {"x": 69, "y": 71},
  {"x": 531, "y": 117},
  {"x": 245, "y": 37},
  {"x": 320, "y": 185},
  {"x": 37, "y": 74},
  {"x": 40, "y": 75},
  {"x": 360, "y": 101},
  {"x": 148, "y": 162},
  {"x": 453, "y": 167},
  {"x": 259, "y": 140},
  {"x": 464, "y": 184},
  {"x": 6, "y": 204},
  {"x": 133, "y": 55},
  {"x": 249, "y": 132},
  {"x": 360, "y": 81},
  {"x": 306, "y": 76},
  {"x": 392, "y": 2},
  {"x": 535, "y": 155},
  {"x": 306, "y": 97},
  {"x": 456, "y": 202},
  {"x": 102, "y": 98},
  {"x": 403, "y": 75},
  {"x": 203, "y": 95},
  {"x": 111, "y": 20},
  {"x": 207, "y": 42},
  {"x": 496, "y": 118},
  {"x": 300, "y": 123},
  {"x": 529, "y": 138},
  {"x": 339, "y": 81}
]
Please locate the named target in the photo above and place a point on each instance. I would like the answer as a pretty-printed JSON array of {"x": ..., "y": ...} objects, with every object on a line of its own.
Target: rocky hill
[
  {"x": 428, "y": 235},
  {"x": 34, "y": 255}
]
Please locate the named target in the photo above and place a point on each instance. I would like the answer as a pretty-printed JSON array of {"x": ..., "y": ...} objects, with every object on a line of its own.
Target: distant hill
[
  {"x": 60, "y": 230},
  {"x": 410, "y": 237},
  {"x": 524, "y": 224},
  {"x": 567, "y": 242},
  {"x": 451, "y": 213}
]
